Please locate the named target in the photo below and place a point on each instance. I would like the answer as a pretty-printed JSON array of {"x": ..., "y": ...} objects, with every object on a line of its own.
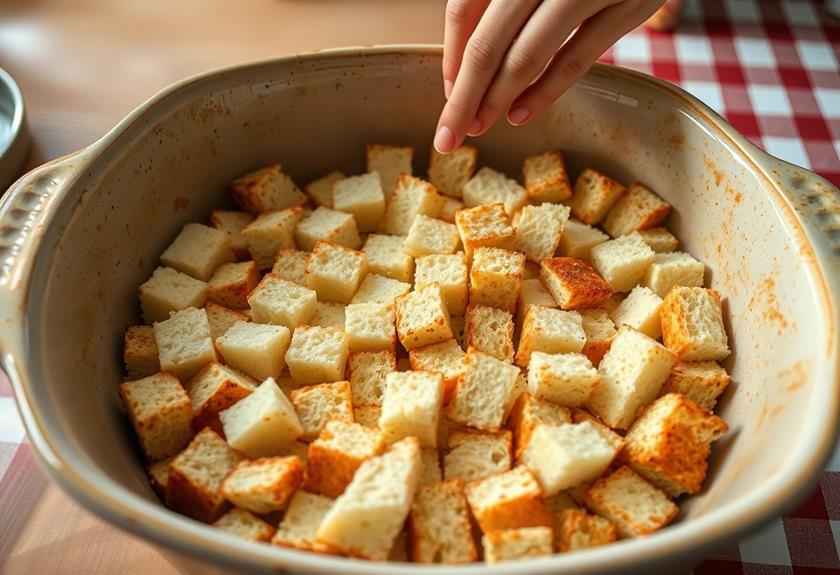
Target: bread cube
[
  {"x": 496, "y": 277},
  {"x": 640, "y": 310},
  {"x": 184, "y": 344},
  {"x": 387, "y": 257},
  {"x": 448, "y": 270},
  {"x": 198, "y": 251},
  {"x": 485, "y": 226},
  {"x": 514, "y": 544},
  {"x": 271, "y": 232},
  {"x": 567, "y": 379},
  {"x": 214, "y": 389},
  {"x": 391, "y": 162},
  {"x": 370, "y": 327},
  {"x": 594, "y": 195},
  {"x": 368, "y": 415},
  {"x": 411, "y": 403},
  {"x": 577, "y": 529},
  {"x": 632, "y": 372},
  {"x": 290, "y": 264},
  {"x": 439, "y": 525},
  {"x": 266, "y": 190},
  {"x": 246, "y": 525},
  {"x": 660, "y": 240},
  {"x": 256, "y": 349},
  {"x": 231, "y": 283},
  {"x": 366, "y": 519},
  {"x": 222, "y": 319},
  {"x": 611, "y": 303},
  {"x": 317, "y": 355},
  {"x": 508, "y": 500},
  {"x": 473, "y": 455},
  {"x": 326, "y": 225},
  {"x": 328, "y": 314},
  {"x": 673, "y": 269},
  {"x": 281, "y": 302},
  {"x": 539, "y": 230},
  {"x": 447, "y": 212},
  {"x": 429, "y": 467},
  {"x": 530, "y": 412},
  {"x": 232, "y": 224},
  {"x": 321, "y": 190},
  {"x": 196, "y": 474},
  {"x": 449, "y": 172},
  {"x": 318, "y": 404},
  {"x": 549, "y": 330},
  {"x": 262, "y": 423},
  {"x": 140, "y": 352},
  {"x": 638, "y": 209},
  {"x": 489, "y": 330},
  {"x": 412, "y": 197},
  {"x": 701, "y": 382},
  {"x": 160, "y": 412},
  {"x": 632, "y": 504},
  {"x": 600, "y": 331},
  {"x": 335, "y": 272},
  {"x": 169, "y": 290},
  {"x": 431, "y": 236},
  {"x": 458, "y": 324},
  {"x": 574, "y": 283},
  {"x": 488, "y": 186},
  {"x": 445, "y": 358},
  {"x": 337, "y": 453},
  {"x": 263, "y": 485},
  {"x": 380, "y": 290},
  {"x": 300, "y": 522},
  {"x": 520, "y": 386},
  {"x": 422, "y": 317},
  {"x": 622, "y": 262},
  {"x": 482, "y": 393},
  {"x": 692, "y": 324},
  {"x": 362, "y": 197},
  {"x": 533, "y": 292},
  {"x": 366, "y": 371},
  {"x": 545, "y": 177}
]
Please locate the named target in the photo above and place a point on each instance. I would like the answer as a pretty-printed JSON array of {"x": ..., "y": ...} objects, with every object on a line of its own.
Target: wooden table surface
[{"x": 84, "y": 64}]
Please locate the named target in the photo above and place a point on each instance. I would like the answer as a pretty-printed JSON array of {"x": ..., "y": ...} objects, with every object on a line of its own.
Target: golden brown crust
[
  {"x": 676, "y": 323},
  {"x": 525, "y": 511},
  {"x": 551, "y": 189},
  {"x": 234, "y": 294},
  {"x": 528, "y": 412},
  {"x": 329, "y": 471},
  {"x": 574, "y": 283},
  {"x": 577, "y": 529}
]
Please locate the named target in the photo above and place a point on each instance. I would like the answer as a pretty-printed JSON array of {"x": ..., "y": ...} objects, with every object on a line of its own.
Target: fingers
[{"x": 462, "y": 17}]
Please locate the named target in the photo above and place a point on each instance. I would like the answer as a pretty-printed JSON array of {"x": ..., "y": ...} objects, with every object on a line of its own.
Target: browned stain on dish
[
  {"x": 676, "y": 142},
  {"x": 765, "y": 304},
  {"x": 181, "y": 203},
  {"x": 713, "y": 169},
  {"x": 795, "y": 377}
]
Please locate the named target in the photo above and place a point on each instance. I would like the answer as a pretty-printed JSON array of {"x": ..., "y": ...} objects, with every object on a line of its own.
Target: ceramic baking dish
[{"x": 78, "y": 235}]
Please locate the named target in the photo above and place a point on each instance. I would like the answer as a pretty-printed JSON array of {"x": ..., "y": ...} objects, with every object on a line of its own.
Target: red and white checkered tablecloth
[{"x": 772, "y": 68}]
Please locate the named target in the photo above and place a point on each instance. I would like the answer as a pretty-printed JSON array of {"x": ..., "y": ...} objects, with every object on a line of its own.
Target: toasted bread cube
[
  {"x": 300, "y": 522},
  {"x": 473, "y": 455},
  {"x": 430, "y": 473},
  {"x": 281, "y": 302},
  {"x": 431, "y": 236},
  {"x": 632, "y": 372},
  {"x": 368, "y": 415},
  {"x": 545, "y": 177},
  {"x": 447, "y": 212},
  {"x": 579, "y": 415},
  {"x": 692, "y": 324},
  {"x": 574, "y": 283},
  {"x": 496, "y": 277},
  {"x": 366, "y": 519},
  {"x": 594, "y": 195},
  {"x": 160, "y": 412},
  {"x": 169, "y": 290},
  {"x": 622, "y": 262},
  {"x": 485, "y": 226},
  {"x": 673, "y": 269},
  {"x": 317, "y": 355},
  {"x": 411, "y": 403},
  {"x": 532, "y": 271},
  {"x": 489, "y": 330},
  {"x": 632, "y": 504},
  {"x": 549, "y": 330},
  {"x": 559, "y": 502},
  {"x": 246, "y": 525},
  {"x": 321, "y": 190},
  {"x": 337, "y": 453},
  {"x": 530, "y": 412},
  {"x": 335, "y": 272},
  {"x": 539, "y": 230},
  {"x": 578, "y": 239},
  {"x": 701, "y": 382},
  {"x": 640, "y": 310},
  {"x": 488, "y": 186},
  {"x": 448, "y": 270},
  {"x": 660, "y": 240},
  {"x": 422, "y": 317},
  {"x": 449, "y": 172},
  {"x": 386, "y": 256},
  {"x": 638, "y": 209},
  {"x": 329, "y": 314},
  {"x": 482, "y": 393},
  {"x": 256, "y": 349},
  {"x": 196, "y": 475},
  {"x": 362, "y": 197},
  {"x": 508, "y": 500},
  {"x": 577, "y": 529},
  {"x": 140, "y": 352},
  {"x": 232, "y": 224},
  {"x": 266, "y": 190},
  {"x": 567, "y": 379},
  {"x": 376, "y": 289},
  {"x": 326, "y": 225},
  {"x": 159, "y": 475},
  {"x": 412, "y": 197},
  {"x": 290, "y": 264},
  {"x": 520, "y": 386},
  {"x": 317, "y": 404},
  {"x": 600, "y": 331},
  {"x": 198, "y": 251},
  {"x": 391, "y": 162},
  {"x": 222, "y": 319},
  {"x": 366, "y": 371},
  {"x": 370, "y": 327},
  {"x": 439, "y": 525},
  {"x": 214, "y": 389},
  {"x": 445, "y": 358},
  {"x": 515, "y": 544},
  {"x": 533, "y": 292},
  {"x": 184, "y": 343},
  {"x": 271, "y": 232},
  {"x": 231, "y": 283},
  {"x": 263, "y": 485}
]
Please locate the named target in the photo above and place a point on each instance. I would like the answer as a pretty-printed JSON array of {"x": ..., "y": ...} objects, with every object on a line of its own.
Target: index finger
[{"x": 462, "y": 17}]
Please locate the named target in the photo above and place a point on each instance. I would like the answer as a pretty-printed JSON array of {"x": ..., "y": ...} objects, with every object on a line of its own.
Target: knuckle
[
  {"x": 457, "y": 10},
  {"x": 521, "y": 65},
  {"x": 481, "y": 54},
  {"x": 573, "y": 66}
]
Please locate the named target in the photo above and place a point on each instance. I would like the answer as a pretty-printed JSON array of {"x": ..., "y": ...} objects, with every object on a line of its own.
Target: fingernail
[
  {"x": 518, "y": 116},
  {"x": 447, "y": 88},
  {"x": 475, "y": 127},
  {"x": 444, "y": 140}
]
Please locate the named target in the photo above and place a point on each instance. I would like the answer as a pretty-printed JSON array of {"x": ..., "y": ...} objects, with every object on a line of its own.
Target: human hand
[{"x": 515, "y": 57}]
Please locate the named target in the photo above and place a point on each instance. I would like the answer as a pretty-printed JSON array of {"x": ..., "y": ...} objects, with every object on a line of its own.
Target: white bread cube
[
  {"x": 439, "y": 525},
  {"x": 320, "y": 191},
  {"x": 516, "y": 544},
  {"x": 578, "y": 239},
  {"x": 622, "y": 262},
  {"x": 489, "y": 330},
  {"x": 496, "y": 277},
  {"x": 549, "y": 330},
  {"x": 485, "y": 226},
  {"x": 266, "y": 190},
  {"x": 336, "y": 455},
  {"x": 160, "y": 412},
  {"x": 412, "y": 197},
  {"x": 701, "y": 381},
  {"x": 411, "y": 404},
  {"x": 574, "y": 283},
  {"x": 169, "y": 290},
  {"x": 482, "y": 393},
  {"x": 449, "y": 172},
  {"x": 567, "y": 379},
  {"x": 362, "y": 197},
  {"x": 366, "y": 371},
  {"x": 448, "y": 270},
  {"x": 545, "y": 177},
  {"x": 673, "y": 269},
  {"x": 370, "y": 327},
  {"x": 488, "y": 186},
  {"x": 577, "y": 529},
  {"x": 198, "y": 251},
  {"x": 660, "y": 240},
  {"x": 508, "y": 500},
  {"x": 640, "y": 310},
  {"x": 390, "y": 162},
  {"x": 256, "y": 349},
  {"x": 300, "y": 522},
  {"x": 387, "y": 257},
  {"x": 632, "y": 372},
  {"x": 530, "y": 412},
  {"x": 326, "y": 225},
  {"x": 222, "y": 319},
  {"x": 638, "y": 209},
  {"x": 231, "y": 283},
  {"x": 262, "y": 423},
  {"x": 365, "y": 520},
  {"x": 368, "y": 415},
  {"x": 473, "y": 455},
  {"x": 263, "y": 485},
  {"x": 445, "y": 358},
  {"x": 612, "y": 302},
  {"x": 159, "y": 475},
  {"x": 380, "y": 289},
  {"x": 232, "y": 223},
  {"x": 335, "y": 272},
  {"x": 600, "y": 331},
  {"x": 291, "y": 265},
  {"x": 281, "y": 302},
  {"x": 140, "y": 352},
  {"x": 692, "y": 324},
  {"x": 271, "y": 232},
  {"x": 533, "y": 292},
  {"x": 430, "y": 473},
  {"x": 317, "y": 355},
  {"x": 214, "y": 389},
  {"x": 594, "y": 195},
  {"x": 422, "y": 317},
  {"x": 184, "y": 343},
  {"x": 328, "y": 314},
  {"x": 539, "y": 230},
  {"x": 447, "y": 212},
  {"x": 318, "y": 404},
  {"x": 246, "y": 525},
  {"x": 431, "y": 236}
]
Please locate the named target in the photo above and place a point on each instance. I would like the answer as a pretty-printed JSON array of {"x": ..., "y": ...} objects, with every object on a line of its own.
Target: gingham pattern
[{"x": 770, "y": 68}]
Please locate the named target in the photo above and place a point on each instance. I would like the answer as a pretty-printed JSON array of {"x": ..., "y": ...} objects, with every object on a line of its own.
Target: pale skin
[{"x": 514, "y": 58}]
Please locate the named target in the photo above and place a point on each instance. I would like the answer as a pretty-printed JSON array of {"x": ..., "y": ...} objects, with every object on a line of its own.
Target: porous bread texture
[
  {"x": 220, "y": 319},
  {"x": 363, "y": 198},
  {"x": 516, "y": 544},
  {"x": 700, "y": 381},
  {"x": 169, "y": 290},
  {"x": 530, "y": 412},
  {"x": 335, "y": 272},
  {"x": 447, "y": 212},
  {"x": 496, "y": 277},
  {"x": 140, "y": 352},
  {"x": 508, "y": 500},
  {"x": 214, "y": 389},
  {"x": 379, "y": 289},
  {"x": 482, "y": 393},
  {"x": 450, "y": 272},
  {"x": 327, "y": 225},
  {"x": 271, "y": 232},
  {"x": 449, "y": 172},
  {"x": 290, "y": 264},
  {"x": 428, "y": 236},
  {"x": 184, "y": 343},
  {"x": 197, "y": 251},
  {"x": 391, "y": 162},
  {"x": 281, "y": 302},
  {"x": 533, "y": 292},
  {"x": 366, "y": 371},
  {"x": 489, "y": 330},
  {"x": 422, "y": 317},
  {"x": 411, "y": 405},
  {"x": 622, "y": 262},
  {"x": 256, "y": 349},
  {"x": 545, "y": 177},
  {"x": 320, "y": 191},
  {"x": 539, "y": 230},
  {"x": 692, "y": 324},
  {"x": 549, "y": 330},
  {"x": 370, "y": 327},
  {"x": 660, "y": 240},
  {"x": 232, "y": 223},
  {"x": 488, "y": 186},
  {"x": 263, "y": 485},
  {"x": 600, "y": 332},
  {"x": 573, "y": 283},
  {"x": 246, "y": 525},
  {"x": 578, "y": 239},
  {"x": 475, "y": 455},
  {"x": 368, "y": 415},
  {"x": 337, "y": 453},
  {"x": 484, "y": 226},
  {"x": 318, "y": 404},
  {"x": 445, "y": 358},
  {"x": 638, "y": 209},
  {"x": 317, "y": 355},
  {"x": 673, "y": 269},
  {"x": 328, "y": 314},
  {"x": 577, "y": 529},
  {"x": 595, "y": 194},
  {"x": 412, "y": 197},
  {"x": 387, "y": 257},
  {"x": 567, "y": 379},
  {"x": 430, "y": 473},
  {"x": 640, "y": 310},
  {"x": 439, "y": 525},
  {"x": 300, "y": 522},
  {"x": 231, "y": 283},
  {"x": 266, "y": 190}
]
